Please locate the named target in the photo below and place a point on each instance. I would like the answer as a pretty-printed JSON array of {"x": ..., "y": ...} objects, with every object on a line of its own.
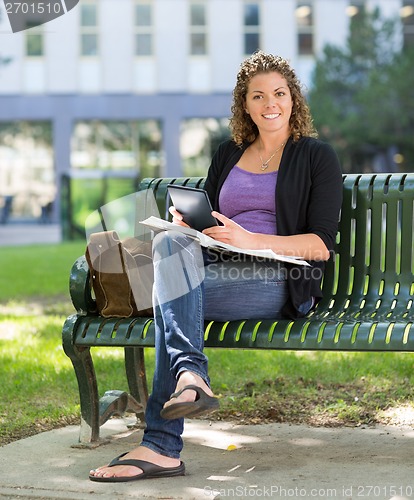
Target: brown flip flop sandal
[
  {"x": 202, "y": 404},
  {"x": 149, "y": 471}
]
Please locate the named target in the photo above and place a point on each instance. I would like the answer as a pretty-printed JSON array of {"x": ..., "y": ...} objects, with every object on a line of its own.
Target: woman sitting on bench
[{"x": 273, "y": 185}]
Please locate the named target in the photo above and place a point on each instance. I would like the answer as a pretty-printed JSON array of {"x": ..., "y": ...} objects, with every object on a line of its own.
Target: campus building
[{"x": 143, "y": 87}]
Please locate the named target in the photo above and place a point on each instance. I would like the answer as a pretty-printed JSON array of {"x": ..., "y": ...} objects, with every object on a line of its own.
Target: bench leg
[
  {"x": 88, "y": 389},
  {"x": 118, "y": 403},
  {"x": 136, "y": 376},
  {"x": 94, "y": 411}
]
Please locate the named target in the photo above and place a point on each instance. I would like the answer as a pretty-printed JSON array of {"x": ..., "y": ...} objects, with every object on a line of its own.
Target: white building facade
[{"x": 157, "y": 64}]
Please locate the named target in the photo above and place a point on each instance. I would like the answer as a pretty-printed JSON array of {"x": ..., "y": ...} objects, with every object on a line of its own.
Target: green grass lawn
[
  {"x": 37, "y": 270},
  {"x": 39, "y": 389}
]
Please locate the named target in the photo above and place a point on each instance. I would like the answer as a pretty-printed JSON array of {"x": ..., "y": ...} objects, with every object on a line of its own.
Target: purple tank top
[{"x": 249, "y": 199}]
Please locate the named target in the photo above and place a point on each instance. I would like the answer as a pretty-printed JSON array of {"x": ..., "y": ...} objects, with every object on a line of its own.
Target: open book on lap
[{"x": 158, "y": 224}]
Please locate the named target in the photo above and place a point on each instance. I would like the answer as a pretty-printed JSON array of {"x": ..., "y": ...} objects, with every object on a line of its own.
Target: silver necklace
[{"x": 265, "y": 164}]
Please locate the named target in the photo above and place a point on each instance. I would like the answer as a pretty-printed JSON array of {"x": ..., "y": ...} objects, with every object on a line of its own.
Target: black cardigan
[{"x": 308, "y": 200}]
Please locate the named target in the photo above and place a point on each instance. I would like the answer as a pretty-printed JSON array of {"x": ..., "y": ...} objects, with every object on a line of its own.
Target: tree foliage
[{"x": 362, "y": 96}]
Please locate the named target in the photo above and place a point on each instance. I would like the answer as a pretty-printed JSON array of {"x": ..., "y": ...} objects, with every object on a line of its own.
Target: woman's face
[{"x": 269, "y": 102}]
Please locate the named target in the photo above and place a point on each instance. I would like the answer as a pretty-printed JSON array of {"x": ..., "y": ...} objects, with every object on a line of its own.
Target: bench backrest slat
[
  {"x": 373, "y": 262},
  {"x": 375, "y": 247}
]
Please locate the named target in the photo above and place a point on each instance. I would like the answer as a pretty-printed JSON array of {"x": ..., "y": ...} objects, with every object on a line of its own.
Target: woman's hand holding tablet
[{"x": 193, "y": 205}]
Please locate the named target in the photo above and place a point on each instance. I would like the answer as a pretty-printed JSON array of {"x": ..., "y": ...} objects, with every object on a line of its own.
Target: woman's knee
[
  {"x": 167, "y": 243},
  {"x": 174, "y": 251}
]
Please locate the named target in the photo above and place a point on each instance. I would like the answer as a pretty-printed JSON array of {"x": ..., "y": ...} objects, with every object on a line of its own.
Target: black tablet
[{"x": 194, "y": 205}]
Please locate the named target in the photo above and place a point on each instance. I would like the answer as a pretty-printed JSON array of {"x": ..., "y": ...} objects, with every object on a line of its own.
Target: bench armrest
[{"x": 80, "y": 287}]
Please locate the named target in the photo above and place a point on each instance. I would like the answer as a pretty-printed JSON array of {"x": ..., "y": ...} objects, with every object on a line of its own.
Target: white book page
[{"x": 205, "y": 241}]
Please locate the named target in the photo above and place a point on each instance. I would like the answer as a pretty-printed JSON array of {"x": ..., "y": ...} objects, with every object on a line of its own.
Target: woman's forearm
[{"x": 308, "y": 246}]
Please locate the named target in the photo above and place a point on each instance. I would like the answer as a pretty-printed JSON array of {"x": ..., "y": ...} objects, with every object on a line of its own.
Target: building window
[
  {"x": 407, "y": 17},
  {"x": 34, "y": 40},
  {"x": 251, "y": 27},
  {"x": 27, "y": 178},
  {"x": 199, "y": 139},
  {"x": 114, "y": 146},
  {"x": 304, "y": 23},
  {"x": 198, "y": 29},
  {"x": 143, "y": 28},
  {"x": 89, "y": 29}
]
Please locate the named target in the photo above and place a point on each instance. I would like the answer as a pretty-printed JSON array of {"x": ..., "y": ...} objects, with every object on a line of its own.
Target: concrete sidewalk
[
  {"x": 270, "y": 461},
  {"x": 29, "y": 234}
]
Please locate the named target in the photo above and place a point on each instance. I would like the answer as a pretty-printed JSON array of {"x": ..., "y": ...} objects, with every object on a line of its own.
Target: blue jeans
[{"x": 191, "y": 285}]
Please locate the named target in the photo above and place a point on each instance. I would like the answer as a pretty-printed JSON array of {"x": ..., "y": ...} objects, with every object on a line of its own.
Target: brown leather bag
[{"x": 121, "y": 274}]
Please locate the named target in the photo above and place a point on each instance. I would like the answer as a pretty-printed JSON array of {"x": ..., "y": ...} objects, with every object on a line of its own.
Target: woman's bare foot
[
  {"x": 140, "y": 453},
  {"x": 189, "y": 395}
]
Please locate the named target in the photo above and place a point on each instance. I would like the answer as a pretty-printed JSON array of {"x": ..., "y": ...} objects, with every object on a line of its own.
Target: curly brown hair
[{"x": 242, "y": 126}]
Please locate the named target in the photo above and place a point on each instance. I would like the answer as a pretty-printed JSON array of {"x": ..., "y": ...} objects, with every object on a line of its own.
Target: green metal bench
[{"x": 367, "y": 306}]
